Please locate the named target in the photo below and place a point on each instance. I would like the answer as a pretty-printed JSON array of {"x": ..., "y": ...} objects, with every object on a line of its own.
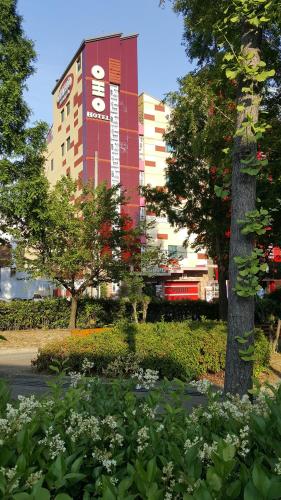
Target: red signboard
[{"x": 65, "y": 90}]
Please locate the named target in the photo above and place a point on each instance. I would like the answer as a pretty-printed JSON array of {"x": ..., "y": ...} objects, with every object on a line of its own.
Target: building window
[
  {"x": 176, "y": 252},
  {"x": 169, "y": 148},
  {"x": 78, "y": 64},
  {"x": 141, "y": 147},
  {"x": 62, "y": 149},
  {"x": 62, "y": 115},
  {"x": 68, "y": 108},
  {"x": 52, "y": 165},
  {"x": 141, "y": 180},
  {"x": 142, "y": 213},
  {"x": 68, "y": 144}
]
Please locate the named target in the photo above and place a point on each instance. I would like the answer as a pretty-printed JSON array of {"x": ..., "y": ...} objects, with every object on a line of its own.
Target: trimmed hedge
[
  {"x": 181, "y": 350},
  {"x": 54, "y": 313}
]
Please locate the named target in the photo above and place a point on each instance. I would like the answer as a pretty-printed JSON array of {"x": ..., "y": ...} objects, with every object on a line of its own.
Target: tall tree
[
  {"x": 17, "y": 56},
  {"x": 22, "y": 184},
  {"x": 247, "y": 34},
  {"x": 80, "y": 243}
]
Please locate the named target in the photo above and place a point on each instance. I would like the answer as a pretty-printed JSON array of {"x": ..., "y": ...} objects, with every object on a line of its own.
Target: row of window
[
  {"x": 68, "y": 146},
  {"x": 62, "y": 113}
]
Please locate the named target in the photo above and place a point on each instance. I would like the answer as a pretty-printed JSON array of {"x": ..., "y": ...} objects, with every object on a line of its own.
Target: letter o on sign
[
  {"x": 98, "y": 104},
  {"x": 98, "y": 72}
]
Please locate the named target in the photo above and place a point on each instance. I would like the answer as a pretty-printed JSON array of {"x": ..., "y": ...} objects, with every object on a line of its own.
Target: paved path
[{"x": 16, "y": 369}]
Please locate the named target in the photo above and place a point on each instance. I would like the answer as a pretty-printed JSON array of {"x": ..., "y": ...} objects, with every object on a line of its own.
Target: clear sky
[{"x": 58, "y": 27}]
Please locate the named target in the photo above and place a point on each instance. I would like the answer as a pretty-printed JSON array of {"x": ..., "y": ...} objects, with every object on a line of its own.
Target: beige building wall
[
  {"x": 154, "y": 116},
  {"x": 65, "y": 147}
]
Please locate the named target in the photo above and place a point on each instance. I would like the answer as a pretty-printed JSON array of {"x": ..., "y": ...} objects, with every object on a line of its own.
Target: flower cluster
[
  {"x": 75, "y": 378},
  {"x": 82, "y": 426},
  {"x": 203, "y": 386},
  {"x": 142, "y": 438},
  {"x": 33, "y": 478},
  {"x": 87, "y": 365},
  {"x": 11, "y": 478},
  {"x": 146, "y": 378},
  {"x": 53, "y": 442},
  {"x": 105, "y": 458}
]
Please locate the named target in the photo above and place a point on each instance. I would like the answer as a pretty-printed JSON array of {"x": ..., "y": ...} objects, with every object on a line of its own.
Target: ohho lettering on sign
[{"x": 98, "y": 88}]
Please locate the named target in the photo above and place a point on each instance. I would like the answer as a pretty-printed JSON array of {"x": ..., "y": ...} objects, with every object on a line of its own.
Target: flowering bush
[
  {"x": 182, "y": 350},
  {"x": 100, "y": 440}
]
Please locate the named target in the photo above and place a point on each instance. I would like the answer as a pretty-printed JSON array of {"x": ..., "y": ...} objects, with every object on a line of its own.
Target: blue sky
[{"x": 58, "y": 27}]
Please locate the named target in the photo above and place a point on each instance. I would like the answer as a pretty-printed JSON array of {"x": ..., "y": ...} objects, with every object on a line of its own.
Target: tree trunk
[
  {"x": 223, "y": 301},
  {"x": 238, "y": 373},
  {"x": 145, "y": 305},
  {"x": 73, "y": 312},
  {"x": 135, "y": 311},
  {"x": 276, "y": 339}
]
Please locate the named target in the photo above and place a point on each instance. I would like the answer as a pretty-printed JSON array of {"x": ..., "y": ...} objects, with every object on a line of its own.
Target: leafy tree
[
  {"x": 79, "y": 244},
  {"x": 241, "y": 37},
  {"x": 22, "y": 184},
  {"x": 142, "y": 270},
  {"x": 200, "y": 128}
]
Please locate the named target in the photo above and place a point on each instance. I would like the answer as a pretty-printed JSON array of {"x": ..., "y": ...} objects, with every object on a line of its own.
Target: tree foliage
[{"x": 80, "y": 243}]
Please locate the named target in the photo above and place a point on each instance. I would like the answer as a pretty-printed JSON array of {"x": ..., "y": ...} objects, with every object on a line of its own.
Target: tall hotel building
[
  {"x": 95, "y": 117},
  {"x": 103, "y": 131}
]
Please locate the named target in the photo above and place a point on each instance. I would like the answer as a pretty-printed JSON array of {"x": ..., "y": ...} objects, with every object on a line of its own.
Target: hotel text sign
[
  {"x": 97, "y": 93},
  {"x": 65, "y": 90}
]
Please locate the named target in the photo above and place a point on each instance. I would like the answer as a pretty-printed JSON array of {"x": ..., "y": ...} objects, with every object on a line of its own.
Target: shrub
[
  {"x": 181, "y": 350},
  {"x": 54, "y": 313},
  {"x": 102, "y": 441}
]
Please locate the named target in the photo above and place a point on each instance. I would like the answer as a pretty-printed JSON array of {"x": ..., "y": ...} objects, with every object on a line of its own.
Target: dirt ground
[
  {"x": 30, "y": 338},
  {"x": 272, "y": 375}
]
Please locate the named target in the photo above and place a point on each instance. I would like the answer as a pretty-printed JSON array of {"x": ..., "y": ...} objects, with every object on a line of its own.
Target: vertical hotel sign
[{"x": 114, "y": 135}]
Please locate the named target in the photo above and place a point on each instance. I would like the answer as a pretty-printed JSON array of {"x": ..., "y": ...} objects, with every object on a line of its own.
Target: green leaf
[
  {"x": 151, "y": 469},
  {"x": 240, "y": 107},
  {"x": 260, "y": 480},
  {"x": 228, "y": 56},
  {"x": 233, "y": 490},
  {"x": 21, "y": 496},
  {"x": 264, "y": 75},
  {"x": 231, "y": 74},
  {"x": 251, "y": 493},
  {"x": 63, "y": 496},
  {"x": 228, "y": 452},
  {"x": 234, "y": 19},
  {"x": 41, "y": 494},
  {"x": 213, "y": 479}
]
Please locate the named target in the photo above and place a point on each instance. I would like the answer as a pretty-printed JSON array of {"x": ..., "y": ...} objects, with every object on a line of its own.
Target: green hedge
[
  {"x": 181, "y": 350},
  {"x": 54, "y": 313}
]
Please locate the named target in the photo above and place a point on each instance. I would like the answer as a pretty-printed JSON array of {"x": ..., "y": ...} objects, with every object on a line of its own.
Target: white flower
[
  {"x": 142, "y": 439},
  {"x": 33, "y": 478},
  {"x": 83, "y": 426},
  {"x": 55, "y": 443},
  {"x": 104, "y": 457},
  {"x": 148, "y": 411},
  {"x": 160, "y": 428},
  {"x": 189, "y": 444},
  {"x": 167, "y": 471},
  {"x": 277, "y": 467},
  {"x": 75, "y": 378},
  {"x": 207, "y": 450},
  {"x": 110, "y": 421},
  {"x": 202, "y": 386},
  {"x": 146, "y": 379},
  {"x": 87, "y": 365},
  {"x": 10, "y": 476}
]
